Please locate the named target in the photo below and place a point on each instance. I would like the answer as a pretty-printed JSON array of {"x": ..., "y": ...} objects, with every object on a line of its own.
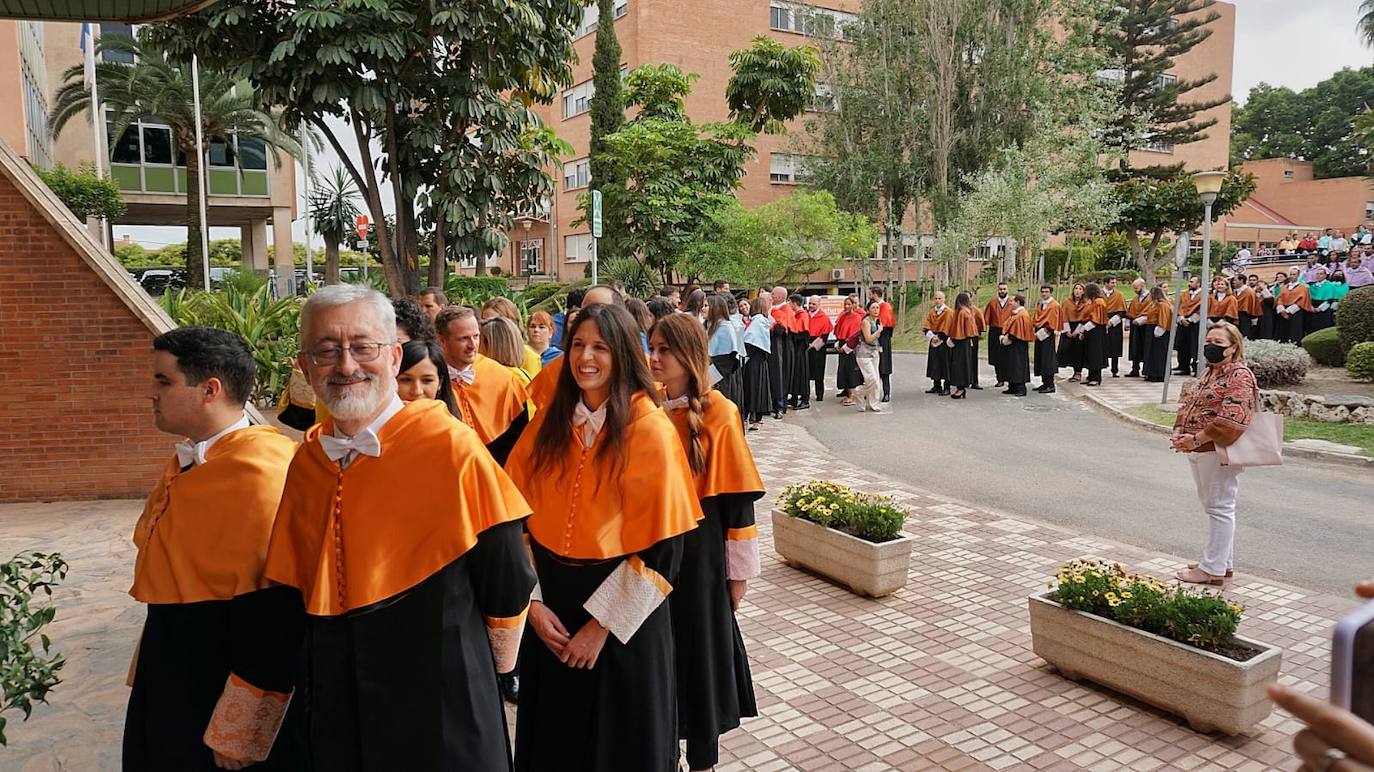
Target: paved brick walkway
[{"x": 938, "y": 676}]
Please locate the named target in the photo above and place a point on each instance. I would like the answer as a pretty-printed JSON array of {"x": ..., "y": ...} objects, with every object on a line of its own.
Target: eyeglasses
[{"x": 361, "y": 352}]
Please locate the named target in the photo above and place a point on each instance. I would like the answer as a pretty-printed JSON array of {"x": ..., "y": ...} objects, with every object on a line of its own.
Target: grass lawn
[{"x": 1358, "y": 435}]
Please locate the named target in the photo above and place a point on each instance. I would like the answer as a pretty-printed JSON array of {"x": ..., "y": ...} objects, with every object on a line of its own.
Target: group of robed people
[{"x": 348, "y": 603}]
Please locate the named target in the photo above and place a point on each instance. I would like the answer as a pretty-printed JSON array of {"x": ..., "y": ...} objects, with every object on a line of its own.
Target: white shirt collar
[
  {"x": 1002, "y": 301},
  {"x": 466, "y": 375},
  {"x": 343, "y": 448},
  {"x": 194, "y": 452},
  {"x": 1045, "y": 302},
  {"x": 590, "y": 420},
  {"x": 677, "y": 403},
  {"x": 940, "y": 309}
]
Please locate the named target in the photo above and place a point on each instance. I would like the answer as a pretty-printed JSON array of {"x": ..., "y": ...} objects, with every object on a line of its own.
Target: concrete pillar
[
  {"x": 284, "y": 256},
  {"x": 253, "y": 240}
]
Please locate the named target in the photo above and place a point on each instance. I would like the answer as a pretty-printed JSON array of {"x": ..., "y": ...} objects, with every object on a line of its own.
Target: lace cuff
[
  {"x": 504, "y": 634},
  {"x": 627, "y": 597},
  {"x": 246, "y": 720},
  {"x": 742, "y": 553}
]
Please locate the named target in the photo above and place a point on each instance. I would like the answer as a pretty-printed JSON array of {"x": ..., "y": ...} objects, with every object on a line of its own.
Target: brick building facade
[{"x": 75, "y": 340}]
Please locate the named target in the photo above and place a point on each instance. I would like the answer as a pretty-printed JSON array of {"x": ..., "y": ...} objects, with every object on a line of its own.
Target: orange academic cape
[
  {"x": 1249, "y": 302},
  {"x": 1019, "y": 326},
  {"x": 347, "y": 538},
  {"x": 1074, "y": 311},
  {"x": 545, "y": 384},
  {"x": 729, "y": 463},
  {"x": 1189, "y": 305},
  {"x": 1115, "y": 303},
  {"x": 995, "y": 313},
  {"x": 782, "y": 315},
  {"x": 1159, "y": 314},
  {"x": 1097, "y": 312},
  {"x": 1048, "y": 316},
  {"x": 1224, "y": 308},
  {"x": 493, "y": 400},
  {"x": 1137, "y": 307},
  {"x": 203, "y": 532},
  {"x": 939, "y": 323},
  {"x": 1295, "y": 296},
  {"x": 965, "y": 324},
  {"x": 587, "y": 510}
]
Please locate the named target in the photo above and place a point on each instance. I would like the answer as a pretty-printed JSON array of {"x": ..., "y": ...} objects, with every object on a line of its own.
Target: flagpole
[
  {"x": 203, "y": 174},
  {"x": 309, "y": 259},
  {"x": 97, "y": 119}
]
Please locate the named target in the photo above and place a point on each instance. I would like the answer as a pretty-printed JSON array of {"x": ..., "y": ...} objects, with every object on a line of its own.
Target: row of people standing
[{"x": 404, "y": 623}]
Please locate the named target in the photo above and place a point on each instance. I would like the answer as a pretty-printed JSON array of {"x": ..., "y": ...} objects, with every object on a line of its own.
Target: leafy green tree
[
  {"x": 607, "y": 116},
  {"x": 1153, "y": 207},
  {"x": 154, "y": 86},
  {"x": 781, "y": 242},
  {"x": 28, "y": 669},
  {"x": 333, "y": 211},
  {"x": 446, "y": 89},
  {"x": 676, "y": 174},
  {"x": 84, "y": 192},
  {"x": 771, "y": 84},
  {"x": 1317, "y": 124}
]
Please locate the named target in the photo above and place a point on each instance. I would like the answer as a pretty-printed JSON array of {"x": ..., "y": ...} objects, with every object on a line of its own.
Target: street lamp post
[{"x": 1208, "y": 185}]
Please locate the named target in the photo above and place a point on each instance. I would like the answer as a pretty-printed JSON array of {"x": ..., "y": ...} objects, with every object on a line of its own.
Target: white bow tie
[
  {"x": 189, "y": 453},
  {"x": 466, "y": 375},
  {"x": 675, "y": 404},
  {"x": 590, "y": 422},
  {"x": 364, "y": 442}
]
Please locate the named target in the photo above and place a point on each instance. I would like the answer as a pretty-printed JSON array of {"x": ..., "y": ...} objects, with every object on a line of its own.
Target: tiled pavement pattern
[
  {"x": 1124, "y": 393},
  {"x": 938, "y": 676}
]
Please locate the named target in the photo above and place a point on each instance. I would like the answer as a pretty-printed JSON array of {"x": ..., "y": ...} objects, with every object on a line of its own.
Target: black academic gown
[
  {"x": 1046, "y": 359},
  {"x": 715, "y": 688},
  {"x": 731, "y": 383},
  {"x": 963, "y": 363},
  {"x": 800, "y": 384},
  {"x": 623, "y": 711},
  {"x": 184, "y": 658},
  {"x": 779, "y": 364},
  {"x": 408, "y": 682},
  {"x": 1016, "y": 362},
  {"x": 1157, "y": 351},
  {"x": 758, "y": 391}
]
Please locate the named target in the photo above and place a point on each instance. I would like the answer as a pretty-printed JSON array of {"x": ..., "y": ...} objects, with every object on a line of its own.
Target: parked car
[{"x": 156, "y": 281}]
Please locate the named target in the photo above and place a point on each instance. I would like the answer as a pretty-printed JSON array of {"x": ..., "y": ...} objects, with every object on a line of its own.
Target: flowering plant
[
  {"x": 1187, "y": 615},
  {"x": 865, "y": 515}
]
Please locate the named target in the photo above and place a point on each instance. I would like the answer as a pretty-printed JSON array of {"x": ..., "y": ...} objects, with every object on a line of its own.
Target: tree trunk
[
  {"x": 481, "y": 256},
  {"x": 373, "y": 196},
  {"x": 405, "y": 240},
  {"x": 331, "y": 260},
  {"x": 438, "y": 260},
  {"x": 195, "y": 270}
]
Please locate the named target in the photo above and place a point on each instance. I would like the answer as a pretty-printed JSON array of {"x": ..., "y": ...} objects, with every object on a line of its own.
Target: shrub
[
  {"x": 1276, "y": 364},
  {"x": 1359, "y": 364},
  {"x": 1187, "y": 615},
  {"x": 1355, "y": 317},
  {"x": 1325, "y": 347},
  {"x": 865, "y": 515},
  {"x": 475, "y": 290},
  {"x": 84, "y": 192},
  {"x": 245, "y": 306},
  {"x": 27, "y": 673}
]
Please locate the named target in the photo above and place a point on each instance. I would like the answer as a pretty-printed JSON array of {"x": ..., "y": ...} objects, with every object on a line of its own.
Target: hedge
[
  {"x": 1325, "y": 347},
  {"x": 1355, "y": 317}
]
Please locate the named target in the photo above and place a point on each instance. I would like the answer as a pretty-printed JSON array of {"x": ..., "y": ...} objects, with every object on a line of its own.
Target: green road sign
[{"x": 596, "y": 214}]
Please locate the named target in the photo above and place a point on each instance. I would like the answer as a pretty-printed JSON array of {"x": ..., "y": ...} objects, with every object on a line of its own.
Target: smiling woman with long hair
[
  {"x": 612, "y": 493},
  {"x": 719, "y": 557}
]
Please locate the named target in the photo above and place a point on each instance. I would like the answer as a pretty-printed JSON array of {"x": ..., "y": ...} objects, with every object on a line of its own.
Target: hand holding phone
[{"x": 1352, "y": 659}]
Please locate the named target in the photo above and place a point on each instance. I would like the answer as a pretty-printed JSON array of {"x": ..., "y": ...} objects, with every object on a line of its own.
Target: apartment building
[
  {"x": 698, "y": 37},
  {"x": 248, "y": 189}
]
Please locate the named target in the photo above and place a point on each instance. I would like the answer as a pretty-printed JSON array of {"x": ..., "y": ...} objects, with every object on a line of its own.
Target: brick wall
[{"x": 75, "y": 364}]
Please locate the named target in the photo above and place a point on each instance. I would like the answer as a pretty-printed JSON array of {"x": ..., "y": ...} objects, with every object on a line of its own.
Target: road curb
[{"x": 1346, "y": 459}]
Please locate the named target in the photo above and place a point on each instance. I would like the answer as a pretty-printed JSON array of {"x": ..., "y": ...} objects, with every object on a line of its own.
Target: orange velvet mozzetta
[
  {"x": 729, "y": 464},
  {"x": 493, "y": 401}
]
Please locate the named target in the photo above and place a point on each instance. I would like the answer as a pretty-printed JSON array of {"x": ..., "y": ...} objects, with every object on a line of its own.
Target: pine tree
[
  {"x": 608, "y": 115},
  {"x": 1145, "y": 37}
]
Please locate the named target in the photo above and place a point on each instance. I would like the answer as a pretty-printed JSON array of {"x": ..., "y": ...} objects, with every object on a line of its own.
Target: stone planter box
[
  {"x": 1211, "y": 692},
  {"x": 866, "y": 568}
]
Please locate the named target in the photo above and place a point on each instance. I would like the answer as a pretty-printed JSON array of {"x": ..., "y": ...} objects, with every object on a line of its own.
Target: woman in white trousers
[
  {"x": 867, "y": 355},
  {"x": 1216, "y": 413}
]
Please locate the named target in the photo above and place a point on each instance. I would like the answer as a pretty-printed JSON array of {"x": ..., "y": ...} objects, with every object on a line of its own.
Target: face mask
[{"x": 1214, "y": 353}]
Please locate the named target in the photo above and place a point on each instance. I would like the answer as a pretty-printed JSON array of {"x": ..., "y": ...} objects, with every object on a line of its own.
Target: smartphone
[{"x": 1352, "y": 663}]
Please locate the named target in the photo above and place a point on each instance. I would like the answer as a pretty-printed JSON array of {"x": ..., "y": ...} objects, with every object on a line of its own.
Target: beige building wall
[
  {"x": 1288, "y": 198},
  {"x": 11, "y": 89}
]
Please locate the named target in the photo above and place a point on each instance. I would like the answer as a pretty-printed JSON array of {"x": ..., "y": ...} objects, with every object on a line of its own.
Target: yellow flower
[{"x": 1126, "y": 594}]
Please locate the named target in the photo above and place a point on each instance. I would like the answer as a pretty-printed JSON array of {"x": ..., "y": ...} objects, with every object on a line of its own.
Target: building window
[
  {"x": 1288, "y": 174},
  {"x": 809, "y": 20},
  {"x": 252, "y": 154},
  {"x": 578, "y": 248},
  {"x": 221, "y": 152},
  {"x": 785, "y": 169},
  {"x": 591, "y": 17},
  {"x": 577, "y": 174},
  {"x": 1156, "y": 145},
  {"x": 126, "y": 150},
  {"x": 157, "y": 145},
  {"x": 117, "y": 56},
  {"x": 578, "y": 99},
  {"x": 1165, "y": 81},
  {"x": 822, "y": 99},
  {"x": 532, "y": 256},
  {"x": 1369, "y": 210}
]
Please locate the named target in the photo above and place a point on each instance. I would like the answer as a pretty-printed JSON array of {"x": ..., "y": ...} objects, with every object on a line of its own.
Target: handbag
[{"x": 1260, "y": 445}]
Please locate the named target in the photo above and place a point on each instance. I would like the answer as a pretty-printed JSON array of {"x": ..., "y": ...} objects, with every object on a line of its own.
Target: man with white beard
[{"x": 404, "y": 539}]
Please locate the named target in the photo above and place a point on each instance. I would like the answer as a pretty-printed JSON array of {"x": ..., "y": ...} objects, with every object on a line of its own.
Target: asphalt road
[{"x": 1054, "y": 459}]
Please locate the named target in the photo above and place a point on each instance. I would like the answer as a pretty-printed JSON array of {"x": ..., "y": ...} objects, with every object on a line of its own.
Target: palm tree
[
  {"x": 156, "y": 87},
  {"x": 1366, "y": 22},
  {"x": 334, "y": 211}
]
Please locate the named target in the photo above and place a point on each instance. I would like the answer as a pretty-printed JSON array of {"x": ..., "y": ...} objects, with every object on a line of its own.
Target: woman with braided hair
[{"x": 718, "y": 558}]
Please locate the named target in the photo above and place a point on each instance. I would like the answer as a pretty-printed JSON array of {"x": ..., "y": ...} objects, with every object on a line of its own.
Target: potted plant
[
  {"x": 850, "y": 537},
  {"x": 1165, "y": 644}
]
